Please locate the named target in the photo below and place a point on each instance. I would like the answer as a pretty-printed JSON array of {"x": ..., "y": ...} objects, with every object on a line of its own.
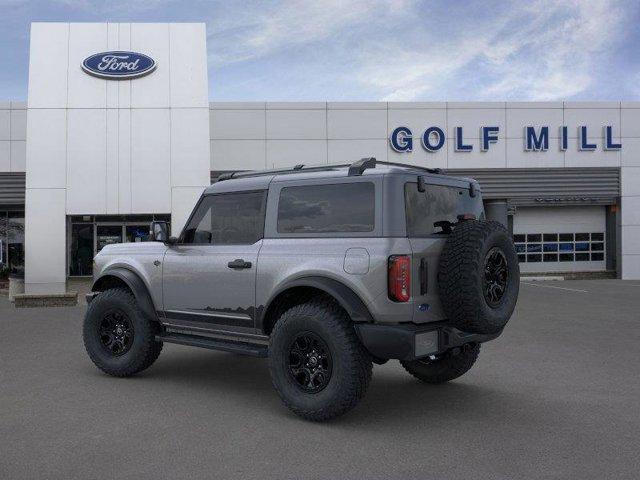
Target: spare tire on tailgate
[{"x": 478, "y": 276}]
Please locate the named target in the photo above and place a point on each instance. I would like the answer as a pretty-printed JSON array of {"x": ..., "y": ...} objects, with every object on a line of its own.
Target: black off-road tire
[
  {"x": 351, "y": 365},
  {"x": 462, "y": 276},
  {"x": 143, "y": 349},
  {"x": 445, "y": 368}
]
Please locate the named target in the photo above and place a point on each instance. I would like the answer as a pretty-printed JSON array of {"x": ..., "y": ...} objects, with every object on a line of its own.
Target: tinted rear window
[
  {"x": 437, "y": 203},
  {"x": 344, "y": 207}
]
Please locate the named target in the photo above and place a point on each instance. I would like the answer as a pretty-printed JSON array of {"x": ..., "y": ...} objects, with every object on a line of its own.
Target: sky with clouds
[{"x": 361, "y": 50}]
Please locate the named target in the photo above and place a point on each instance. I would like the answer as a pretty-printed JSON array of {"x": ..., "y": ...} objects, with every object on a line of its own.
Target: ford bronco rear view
[{"x": 322, "y": 270}]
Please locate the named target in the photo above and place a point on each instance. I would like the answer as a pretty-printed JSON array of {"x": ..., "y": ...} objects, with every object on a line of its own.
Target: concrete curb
[
  {"x": 541, "y": 278},
  {"x": 24, "y": 300}
]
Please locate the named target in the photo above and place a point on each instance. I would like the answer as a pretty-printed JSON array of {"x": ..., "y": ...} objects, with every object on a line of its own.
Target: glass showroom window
[
  {"x": 11, "y": 243},
  {"x": 560, "y": 247},
  {"x": 4, "y": 265},
  {"x": 91, "y": 233}
]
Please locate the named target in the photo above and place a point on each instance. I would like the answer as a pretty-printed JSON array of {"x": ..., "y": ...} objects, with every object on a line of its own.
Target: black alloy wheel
[
  {"x": 116, "y": 333},
  {"x": 496, "y": 276},
  {"x": 309, "y": 362}
]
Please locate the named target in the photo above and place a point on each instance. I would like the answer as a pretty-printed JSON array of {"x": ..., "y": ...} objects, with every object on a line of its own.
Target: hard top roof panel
[{"x": 260, "y": 179}]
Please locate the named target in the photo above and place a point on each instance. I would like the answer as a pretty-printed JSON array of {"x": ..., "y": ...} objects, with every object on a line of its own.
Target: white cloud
[
  {"x": 547, "y": 50},
  {"x": 259, "y": 29},
  {"x": 407, "y": 50}
]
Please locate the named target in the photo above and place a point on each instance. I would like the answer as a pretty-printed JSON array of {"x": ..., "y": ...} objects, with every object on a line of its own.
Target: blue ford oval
[{"x": 118, "y": 65}]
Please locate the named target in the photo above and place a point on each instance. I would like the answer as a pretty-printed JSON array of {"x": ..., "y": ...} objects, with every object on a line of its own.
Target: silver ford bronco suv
[{"x": 322, "y": 270}]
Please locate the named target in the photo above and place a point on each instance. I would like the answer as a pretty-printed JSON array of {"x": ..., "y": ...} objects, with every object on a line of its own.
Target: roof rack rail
[
  {"x": 358, "y": 167},
  {"x": 426, "y": 169},
  {"x": 226, "y": 176},
  {"x": 277, "y": 171}
]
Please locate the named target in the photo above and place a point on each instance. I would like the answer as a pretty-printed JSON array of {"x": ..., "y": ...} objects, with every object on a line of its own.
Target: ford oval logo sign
[{"x": 118, "y": 65}]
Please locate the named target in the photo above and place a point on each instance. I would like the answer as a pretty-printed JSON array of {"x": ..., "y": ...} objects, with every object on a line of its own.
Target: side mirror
[{"x": 159, "y": 231}]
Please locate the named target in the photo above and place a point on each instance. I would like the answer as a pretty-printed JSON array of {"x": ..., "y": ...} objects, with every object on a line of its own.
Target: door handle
[{"x": 238, "y": 264}]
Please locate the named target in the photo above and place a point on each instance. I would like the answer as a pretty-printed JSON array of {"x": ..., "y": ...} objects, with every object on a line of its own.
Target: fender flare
[
  {"x": 135, "y": 284},
  {"x": 344, "y": 295}
]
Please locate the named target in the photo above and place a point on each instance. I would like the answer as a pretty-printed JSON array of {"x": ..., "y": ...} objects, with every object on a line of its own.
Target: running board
[{"x": 251, "y": 349}]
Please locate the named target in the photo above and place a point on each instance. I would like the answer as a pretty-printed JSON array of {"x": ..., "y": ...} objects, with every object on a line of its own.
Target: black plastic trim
[
  {"x": 347, "y": 298},
  {"x": 244, "y": 348},
  {"x": 90, "y": 296},
  {"x": 208, "y": 318},
  {"x": 135, "y": 284},
  {"x": 359, "y": 166},
  {"x": 398, "y": 341},
  {"x": 424, "y": 276}
]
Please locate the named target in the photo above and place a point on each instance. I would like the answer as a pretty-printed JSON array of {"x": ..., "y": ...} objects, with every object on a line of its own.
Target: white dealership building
[{"x": 90, "y": 159}]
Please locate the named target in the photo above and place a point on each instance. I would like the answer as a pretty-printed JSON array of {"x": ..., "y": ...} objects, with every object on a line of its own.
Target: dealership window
[
  {"x": 560, "y": 247},
  {"x": 11, "y": 243},
  {"x": 91, "y": 233},
  {"x": 337, "y": 208}
]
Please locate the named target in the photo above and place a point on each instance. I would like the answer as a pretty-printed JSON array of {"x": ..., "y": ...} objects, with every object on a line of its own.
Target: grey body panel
[
  {"x": 138, "y": 258},
  {"x": 200, "y": 290},
  {"x": 287, "y": 259}
]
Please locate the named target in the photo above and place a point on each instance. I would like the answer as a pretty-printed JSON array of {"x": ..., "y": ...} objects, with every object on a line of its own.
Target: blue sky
[{"x": 363, "y": 50}]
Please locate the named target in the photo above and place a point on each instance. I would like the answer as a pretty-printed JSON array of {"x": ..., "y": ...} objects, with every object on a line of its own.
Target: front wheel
[
  {"x": 118, "y": 337},
  {"x": 318, "y": 366},
  {"x": 448, "y": 366}
]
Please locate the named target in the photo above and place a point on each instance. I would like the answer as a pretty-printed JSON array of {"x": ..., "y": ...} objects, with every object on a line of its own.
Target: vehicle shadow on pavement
[{"x": 393, "y": 396}]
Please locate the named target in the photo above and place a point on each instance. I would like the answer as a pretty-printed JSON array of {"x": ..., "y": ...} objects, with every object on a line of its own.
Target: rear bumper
[{"x": 409, "y": 342}]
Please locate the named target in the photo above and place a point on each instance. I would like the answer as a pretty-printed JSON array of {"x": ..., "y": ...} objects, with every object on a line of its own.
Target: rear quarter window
[
  {"x": 437, "y": 203},
  {"x": 336, "y": 208}
]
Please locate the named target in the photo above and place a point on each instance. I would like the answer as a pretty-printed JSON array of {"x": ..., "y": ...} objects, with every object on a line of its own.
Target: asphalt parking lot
[{"x": 556, "y": 396}]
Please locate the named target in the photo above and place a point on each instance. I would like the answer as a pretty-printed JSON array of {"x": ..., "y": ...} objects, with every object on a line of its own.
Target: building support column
[
  {"x": 630, "y": 223},
  {"x": 45, "y": 241}
]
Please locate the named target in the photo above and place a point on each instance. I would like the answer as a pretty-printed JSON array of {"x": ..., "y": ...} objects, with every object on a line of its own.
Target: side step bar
[{"x": 254, "y": 350}]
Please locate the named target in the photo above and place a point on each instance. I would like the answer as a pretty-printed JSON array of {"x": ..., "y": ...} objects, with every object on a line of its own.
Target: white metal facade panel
[
  {"x": 86, "y": 161},
  {"x": 238, "y": 155},
  {"x": 5, "y": 156},
  {"x": 47, "y": 148},
  {"x": 13, "y": 134},
  {"x": 107, "y": 145},
  {"x": 45, "y": 227},
  {"x": 150, "y": 160}
]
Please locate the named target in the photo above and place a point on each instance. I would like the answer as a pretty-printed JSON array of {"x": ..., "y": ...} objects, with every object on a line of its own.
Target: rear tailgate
[{"x": 439, "y": 202}]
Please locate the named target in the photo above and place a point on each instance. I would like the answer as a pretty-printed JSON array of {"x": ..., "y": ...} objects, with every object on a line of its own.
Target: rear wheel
[
  {"x": 118, "y": 337},
  {"x": 441, "y": 369},
  {"x": 318, "y": 366}
]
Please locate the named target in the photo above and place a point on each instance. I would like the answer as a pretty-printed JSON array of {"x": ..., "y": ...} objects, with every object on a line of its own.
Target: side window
[
  {"x": 344, "y": 207},
  {"x": 227, "y": 219}
]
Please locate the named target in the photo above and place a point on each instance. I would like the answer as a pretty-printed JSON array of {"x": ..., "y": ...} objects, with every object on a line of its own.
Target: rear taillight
[{"x": 399, "y": 277}]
